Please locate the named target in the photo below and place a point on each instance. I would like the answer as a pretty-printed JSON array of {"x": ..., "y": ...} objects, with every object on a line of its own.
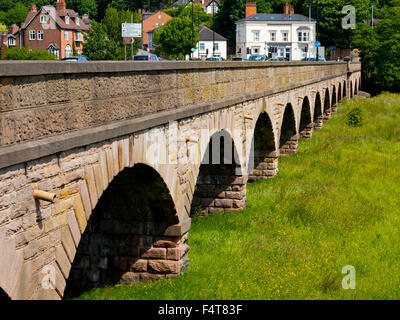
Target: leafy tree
[
  {"x": 380, "y": 47},
  {"x": 3, "y": 27},
  {"x": 26, "y": 54},
  {"x": 264, "y": 6},
  {"x": 229, "y": 12},
  {"x": 175, "y": 38},
  {"x": 16, "y": 15},
  {"x": 200, "y": 17}
]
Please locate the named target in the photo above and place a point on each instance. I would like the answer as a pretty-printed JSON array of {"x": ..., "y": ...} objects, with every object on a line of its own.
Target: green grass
[{"x": 335, "y": 203}]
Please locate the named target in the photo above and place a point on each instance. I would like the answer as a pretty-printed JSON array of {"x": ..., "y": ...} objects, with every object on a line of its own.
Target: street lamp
[
  {"x": 317, "y": 37},
  {"x": 213, "y": 9}
]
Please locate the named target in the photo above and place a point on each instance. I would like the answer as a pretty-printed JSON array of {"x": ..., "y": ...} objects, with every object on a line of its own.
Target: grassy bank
[{"x": 333, "y": 204}]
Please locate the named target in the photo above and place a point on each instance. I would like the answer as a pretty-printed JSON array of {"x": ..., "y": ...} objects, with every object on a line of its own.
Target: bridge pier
[
  {"x": 318, "y": 123},
  {"x": 307, "y": 132},
  {"x": 289, "y": 145},
  {"x": 265, "y": 166},
  {"x": 327, "y": 114}
]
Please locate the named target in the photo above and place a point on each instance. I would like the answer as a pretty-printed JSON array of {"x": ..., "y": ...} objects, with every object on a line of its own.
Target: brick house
[
  {"x": 151, "y": 22},
  {"x": 9, "y": 39},
  {"x": 55, "y": 29}
]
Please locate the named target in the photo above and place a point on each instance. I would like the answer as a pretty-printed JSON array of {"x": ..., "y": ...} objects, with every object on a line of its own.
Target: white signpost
[{"x": 131, "y": 30}]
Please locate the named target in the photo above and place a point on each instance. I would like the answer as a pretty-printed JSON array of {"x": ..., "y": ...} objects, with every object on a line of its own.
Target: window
[
  {"x": 78, "y": 36},
  {"x": 54, "y": 51},
  {"x": 306, "y": 36},
  {"x": 256, "y": 50},
  {"x": 68, "y": 51},
  {"x": 40, "y": 35},
  {"x": 31, "y": 35},
  {"x": 11, "y": 42},
  {"x": 215, "y": 46},
  {"x": 66, "y": 35},
  {"x": 202, "y": 47},
  {"x": 285, "y": 36},
  {"x": 67, "y": 19},
  {"x": 299, "y": 34},
  {"x": 159, "y": 16},
  {"x": 256, "y": 36},
  {"x": 273, "y": 36},
  {"x": 79, "y": 52},
  {"x": 43, "y": 19},
  {"x": 303, "y": 36}
]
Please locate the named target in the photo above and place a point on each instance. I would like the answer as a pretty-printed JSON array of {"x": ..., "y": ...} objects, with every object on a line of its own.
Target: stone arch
[
  {"x": 263, "y": 158},
  {"x": 327, "y": 105},
  {"x": 306, "y": 123},
  {"x": 318, "y": 118},
  {"x": 3, "y": 295},
  {"x": 351, "y": 89},
  {"x": 126, "y": 237},
  {"x": 220, "y": 184},
  {"x": 333, "y": 100},
  {"x": 288, "y": 141}
]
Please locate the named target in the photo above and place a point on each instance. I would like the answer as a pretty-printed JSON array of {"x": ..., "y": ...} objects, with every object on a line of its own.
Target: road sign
[
  {"x": 351, "y": 52},
  {"x": 193, "y": 49},
  {"x": 317, "y": 44},
  {"x": 131, "y": 30}
]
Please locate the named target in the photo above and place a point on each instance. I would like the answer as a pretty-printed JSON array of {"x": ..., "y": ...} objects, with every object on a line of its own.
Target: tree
[
  {"x": 98, "y": 45},
  {"x": 229, "y": 12},
  {"x": 174, "y": 39},
  {"x": 380, "y": 47},
  {"x": 264, "y": 6},
  {"x": 16, "y": 15},
  {"x": 201, "y": 18}
]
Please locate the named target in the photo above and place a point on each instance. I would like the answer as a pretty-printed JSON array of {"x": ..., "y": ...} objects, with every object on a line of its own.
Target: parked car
[
  {"x": 77, "y": 58},
  {"x": 215, "y": 59},
  {"x": 145, "y": 57},
  {"x": 314, "y": 59},
  {"x": 281, "y": 59},
  {"x": 257, "y": 57},
  {"x": 237, "y": 59}
]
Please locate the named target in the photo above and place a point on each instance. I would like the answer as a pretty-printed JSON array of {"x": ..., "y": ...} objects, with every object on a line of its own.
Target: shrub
[
  {"x": 354, "y": 117},
  {"x": 26, "y": 54}
]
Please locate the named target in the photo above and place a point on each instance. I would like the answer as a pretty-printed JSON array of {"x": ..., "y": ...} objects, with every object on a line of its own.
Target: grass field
[{"x": 335, "y": 203}]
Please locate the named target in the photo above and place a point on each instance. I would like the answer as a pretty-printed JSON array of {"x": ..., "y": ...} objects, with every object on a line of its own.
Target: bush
[
  {"x": 26, "y": 54},
  {"x": 354, "y": 117}
]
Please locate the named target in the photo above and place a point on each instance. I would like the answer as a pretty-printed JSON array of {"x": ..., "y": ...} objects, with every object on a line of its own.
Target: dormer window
[
  {"x": 77, "y": 21},
  {"x": 43, "y": 19},
  {"x": 67, "y": 19}
]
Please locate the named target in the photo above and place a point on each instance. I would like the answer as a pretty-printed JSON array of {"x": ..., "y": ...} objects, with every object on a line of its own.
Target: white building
[
  {"x": 207, "y": 5},
  {"x": 286, "y": 35},
  {"x": 204, "y": 48}
]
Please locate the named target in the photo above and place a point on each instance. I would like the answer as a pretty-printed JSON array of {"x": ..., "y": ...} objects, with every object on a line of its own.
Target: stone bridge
[{"x": 103, "y": 163}]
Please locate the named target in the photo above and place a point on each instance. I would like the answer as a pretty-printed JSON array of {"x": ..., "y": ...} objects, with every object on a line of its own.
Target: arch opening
[
  {"x": 333, "y": 100},
  {"x": 356, "y": 87},
  {"x": 263, "y": 161},
  {"x": 125, "y": 239},
  {"x": 288, "y": 142},
  {"x": 340, "y": 92},
  {"x": 344, "y": 90},
  {"x": 318, "y": 119},
  {"x": 351, "y": 89},
  {"x": 327, "y": 106},
  {"x": 220, "y": 185},
  {"x": 306, "y": 123},
  {"x": 3, "y": 295}
]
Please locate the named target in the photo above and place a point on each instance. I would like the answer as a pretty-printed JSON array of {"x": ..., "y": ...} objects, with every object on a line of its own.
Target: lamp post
[
  {"x": 317, "y": 38},
  {"x": 213, "y": 9},
  {"x": 192, "y": 29}
]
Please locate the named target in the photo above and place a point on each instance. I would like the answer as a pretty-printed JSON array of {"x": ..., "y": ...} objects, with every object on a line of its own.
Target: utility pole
[
  {"x": 192, "y": 29},
  {"x": 213, "y": 9},
  {"x": 317, "y": 34}
]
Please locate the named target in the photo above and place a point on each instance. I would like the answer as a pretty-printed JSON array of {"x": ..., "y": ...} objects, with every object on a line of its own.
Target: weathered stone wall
[{"x": 79, "y": 165}]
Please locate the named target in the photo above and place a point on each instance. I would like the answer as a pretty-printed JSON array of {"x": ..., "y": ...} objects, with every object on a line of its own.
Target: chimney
[
  {"x": 251, "y": 8},
  {"x": 61, "y": 5},
  {"x": 85, "y": 16},
  {"x": 14, "y": 28},
  {"x": 33, "y": 8},
  {"x": 286, "y": 8},
  {"x": 291, "y": 9}
]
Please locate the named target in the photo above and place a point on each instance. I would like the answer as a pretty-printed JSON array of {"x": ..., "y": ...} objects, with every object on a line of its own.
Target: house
[
  {"x": 208, "y": 38},
  {"x": 9, "y": 39},
  {"x": 58, "y": 30},
  {"x": 286, "y": 35},
  {"x": 207, "y": 5},
  {"x": 150, "y": 22}
]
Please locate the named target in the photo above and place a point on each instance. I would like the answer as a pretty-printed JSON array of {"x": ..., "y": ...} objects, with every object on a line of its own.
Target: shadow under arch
[
  {"x": 333, "y": 100},
  {"x": 327, "y": 106},
  {"x": 263, "y": 159},
  {"x": 356, "y": 87},
  {"x": 288, "y": 141},
  {"x": 306, "y": 123},
  {"x": 220, "y": 185},
  {"x": 344, "y": 89},
  {"x": 351, "y": 89},
  {"x": 340, "y": 92},
  {"x": 120, "y": 242},
  {"x": 3, "y": 295},
  {"x": 318, "y": 119}
]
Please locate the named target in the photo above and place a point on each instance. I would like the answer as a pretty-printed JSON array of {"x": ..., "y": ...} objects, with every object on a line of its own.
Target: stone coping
[{"x": 32, "y": 68}]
